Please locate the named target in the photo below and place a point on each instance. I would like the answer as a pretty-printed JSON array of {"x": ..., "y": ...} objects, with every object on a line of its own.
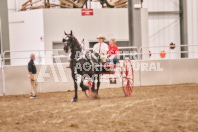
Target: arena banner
[{"x": 87, "y": 12}]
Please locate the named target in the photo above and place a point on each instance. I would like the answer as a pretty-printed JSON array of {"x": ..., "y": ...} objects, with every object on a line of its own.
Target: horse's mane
[{"x": 77, "y": 42}]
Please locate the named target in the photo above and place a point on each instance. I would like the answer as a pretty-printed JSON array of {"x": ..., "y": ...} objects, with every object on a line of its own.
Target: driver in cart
[{"x": 101, "y": 48}]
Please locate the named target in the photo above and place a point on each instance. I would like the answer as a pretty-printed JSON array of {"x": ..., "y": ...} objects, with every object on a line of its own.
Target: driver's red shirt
[{"x": 113, "y": 50}]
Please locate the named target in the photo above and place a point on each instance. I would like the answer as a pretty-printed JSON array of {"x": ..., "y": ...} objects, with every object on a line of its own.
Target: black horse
[{"x": 87, "y": 65}]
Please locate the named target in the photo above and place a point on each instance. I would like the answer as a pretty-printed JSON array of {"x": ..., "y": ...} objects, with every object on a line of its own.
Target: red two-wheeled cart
[{"x": 126, "y": 73}]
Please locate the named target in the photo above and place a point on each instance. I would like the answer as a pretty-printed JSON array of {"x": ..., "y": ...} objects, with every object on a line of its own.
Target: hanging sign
[{"x": 87, "y": 12}]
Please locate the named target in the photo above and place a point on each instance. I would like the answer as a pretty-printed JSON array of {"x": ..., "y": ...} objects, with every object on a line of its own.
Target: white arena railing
[
  {"x": 47, "y": 56},
  {"x": 134, "y": 53},
  {"x": 189, "y": 51}
]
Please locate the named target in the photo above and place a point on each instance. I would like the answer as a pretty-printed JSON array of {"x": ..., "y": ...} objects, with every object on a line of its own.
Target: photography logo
[{"x": 56, "y": 71}]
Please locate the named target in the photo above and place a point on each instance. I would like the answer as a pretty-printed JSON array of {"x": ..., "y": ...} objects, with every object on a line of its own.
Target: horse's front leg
[
  {"x": 98, "y": 84},
  {"x": 74, "y": 76}
]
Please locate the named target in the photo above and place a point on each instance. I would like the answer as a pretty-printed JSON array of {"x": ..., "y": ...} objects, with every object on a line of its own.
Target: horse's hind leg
[
  {"x": 93, "y": 83},
  {"x": 84, "y": 88}
]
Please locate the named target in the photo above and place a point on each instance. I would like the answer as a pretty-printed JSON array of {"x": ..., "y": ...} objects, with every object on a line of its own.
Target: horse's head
[{"x": 68, "y": 41}]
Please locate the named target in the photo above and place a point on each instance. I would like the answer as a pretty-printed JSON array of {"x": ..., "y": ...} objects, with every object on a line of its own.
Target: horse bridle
[{"x": 71, "y": 45}]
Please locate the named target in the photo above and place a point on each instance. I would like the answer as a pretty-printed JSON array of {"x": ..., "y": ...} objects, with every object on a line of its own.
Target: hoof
[
  {"x": 74, "y": 100},
  {"x": 84, "y": 88},
  {"x": 94, "y": 91},
  {"x": 96, "y": 97}
]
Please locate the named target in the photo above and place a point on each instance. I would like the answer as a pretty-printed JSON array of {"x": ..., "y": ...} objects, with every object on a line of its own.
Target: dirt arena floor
[{"x": 149, "y": 109}]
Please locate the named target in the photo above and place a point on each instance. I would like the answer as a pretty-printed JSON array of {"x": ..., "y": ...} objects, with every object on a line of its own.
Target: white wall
[
  {"x": 174, "y": 72},
  {"x": 192, "y": 21},
  {"x": 161, "y": 5},
  {"x": 11, "y": 5},
  {"x": 26, "y": 29},
  {"x": 109, "y": 22},
  {"x": 51, "y": 23},
  {"x": 48, "y": 83},
  {"x": 164, "y": 28}
]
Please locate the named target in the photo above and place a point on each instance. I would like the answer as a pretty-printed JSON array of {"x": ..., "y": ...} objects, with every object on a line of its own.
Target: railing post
[
  {"x": 139, "y": 55},
  {"x": 39, "y": 57},
  {"x": 3, "y": 75},
  {"x": 169, "y": 53}
]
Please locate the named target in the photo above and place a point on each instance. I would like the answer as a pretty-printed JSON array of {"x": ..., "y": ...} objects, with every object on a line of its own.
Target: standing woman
[{"x": 113, "y": 52}]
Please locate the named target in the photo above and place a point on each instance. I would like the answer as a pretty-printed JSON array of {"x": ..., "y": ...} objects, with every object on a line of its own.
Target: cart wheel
[
  {"x": 89, "y": 92},
  {"x": 127, "y": 77}
]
